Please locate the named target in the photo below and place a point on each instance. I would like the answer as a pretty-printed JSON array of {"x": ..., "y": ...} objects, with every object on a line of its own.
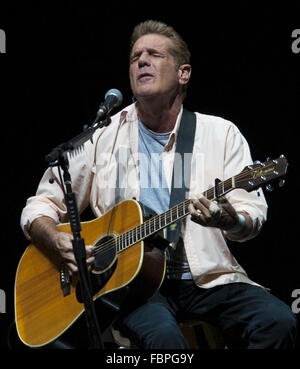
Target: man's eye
[{"x": 133, "y": 59}]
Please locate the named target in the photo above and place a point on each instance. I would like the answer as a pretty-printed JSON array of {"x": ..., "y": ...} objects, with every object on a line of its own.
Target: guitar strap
[{"x": 181, "y": 169}]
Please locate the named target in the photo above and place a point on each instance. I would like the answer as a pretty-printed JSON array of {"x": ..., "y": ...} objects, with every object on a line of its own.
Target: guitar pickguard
[{"x": 98, "y": 281}]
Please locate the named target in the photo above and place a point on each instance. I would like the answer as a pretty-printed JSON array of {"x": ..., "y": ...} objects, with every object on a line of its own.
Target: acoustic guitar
[{"x": 47, "y": 303}]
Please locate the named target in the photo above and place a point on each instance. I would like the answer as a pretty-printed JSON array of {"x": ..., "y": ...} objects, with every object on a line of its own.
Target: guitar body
[{"x": 42, "y": 311}]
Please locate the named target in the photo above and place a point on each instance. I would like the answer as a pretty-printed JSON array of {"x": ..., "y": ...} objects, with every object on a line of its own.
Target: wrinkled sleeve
[
  {"x": 236, "y": 157},
  {"x": 49, "y": 198}
]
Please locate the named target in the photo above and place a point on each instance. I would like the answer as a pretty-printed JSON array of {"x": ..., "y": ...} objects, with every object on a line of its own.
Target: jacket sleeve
[
  {"x": 49, "y": 198},
  {"x": 236, "y": 157}
]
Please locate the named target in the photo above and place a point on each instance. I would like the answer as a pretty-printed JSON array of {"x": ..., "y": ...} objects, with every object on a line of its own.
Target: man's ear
[{"x": 184, "y": 73}]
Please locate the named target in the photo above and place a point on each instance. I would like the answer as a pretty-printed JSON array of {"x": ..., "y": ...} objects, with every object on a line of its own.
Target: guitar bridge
[{"x": 65, "y": 280}]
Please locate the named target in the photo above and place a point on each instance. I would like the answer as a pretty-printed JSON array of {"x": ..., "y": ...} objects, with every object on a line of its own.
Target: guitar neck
[{"x": 172, "y": 215}]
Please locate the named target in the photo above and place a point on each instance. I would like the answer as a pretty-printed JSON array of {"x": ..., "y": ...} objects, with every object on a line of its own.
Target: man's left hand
[{"x": 220, "y": 213}]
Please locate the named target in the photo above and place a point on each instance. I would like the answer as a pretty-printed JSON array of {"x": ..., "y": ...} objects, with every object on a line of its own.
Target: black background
[{"x": 63, "y": 56}]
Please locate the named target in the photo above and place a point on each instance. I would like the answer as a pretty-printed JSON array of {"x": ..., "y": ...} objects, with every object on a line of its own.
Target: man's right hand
[
  {"x": 64, "y": 246},
  {"x": 44, "y": 232}
]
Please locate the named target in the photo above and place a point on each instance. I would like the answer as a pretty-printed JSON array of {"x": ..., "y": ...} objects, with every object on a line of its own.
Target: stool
[{"x": 202, "y": 335}]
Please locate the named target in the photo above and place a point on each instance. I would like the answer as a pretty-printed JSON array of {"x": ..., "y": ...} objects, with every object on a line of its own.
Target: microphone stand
[{"x": 58, "y": 157}]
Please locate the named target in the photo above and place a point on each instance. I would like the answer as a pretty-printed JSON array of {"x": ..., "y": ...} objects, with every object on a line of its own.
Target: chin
[
  {"x": 147, "y": 91},
  {"x": 145, "y": 94}
]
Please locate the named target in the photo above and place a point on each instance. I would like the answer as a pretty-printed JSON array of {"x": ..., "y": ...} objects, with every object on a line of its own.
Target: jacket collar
[{"x": 129, "y": 115}]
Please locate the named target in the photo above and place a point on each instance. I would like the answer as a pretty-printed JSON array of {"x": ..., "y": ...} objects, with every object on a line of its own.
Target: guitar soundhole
[{"x": 105, "y": 252}]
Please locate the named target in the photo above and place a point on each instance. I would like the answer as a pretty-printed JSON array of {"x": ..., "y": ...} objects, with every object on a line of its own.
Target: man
[{"x": 203, "y": 278}]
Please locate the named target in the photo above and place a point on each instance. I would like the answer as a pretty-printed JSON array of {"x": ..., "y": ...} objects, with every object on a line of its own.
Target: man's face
[{"x": 152, "y": 68}]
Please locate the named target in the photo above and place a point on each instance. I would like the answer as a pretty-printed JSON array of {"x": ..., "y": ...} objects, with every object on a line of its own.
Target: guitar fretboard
[{"x": 161, "y": 221}]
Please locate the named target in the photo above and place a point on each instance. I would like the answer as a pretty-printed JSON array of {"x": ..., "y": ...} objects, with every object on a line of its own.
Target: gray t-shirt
[{"x": 154, "y": 192}]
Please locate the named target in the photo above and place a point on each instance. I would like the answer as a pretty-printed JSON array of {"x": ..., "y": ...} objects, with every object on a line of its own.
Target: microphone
[{"x": 113, "y": 98}]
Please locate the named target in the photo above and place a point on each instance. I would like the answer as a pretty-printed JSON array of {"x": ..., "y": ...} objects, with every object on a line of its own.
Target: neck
[{"x": 159, "y": 116}]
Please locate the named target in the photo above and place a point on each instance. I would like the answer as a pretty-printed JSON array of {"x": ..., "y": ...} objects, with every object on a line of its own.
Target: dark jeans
[{"x": 248, "y": 316}]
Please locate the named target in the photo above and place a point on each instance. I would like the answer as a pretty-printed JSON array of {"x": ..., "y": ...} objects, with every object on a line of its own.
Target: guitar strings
[{"x": 150, "y": 223}]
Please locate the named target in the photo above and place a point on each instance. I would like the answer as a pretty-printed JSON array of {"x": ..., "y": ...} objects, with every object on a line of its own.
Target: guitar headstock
[{"x": 259, "y": 174}]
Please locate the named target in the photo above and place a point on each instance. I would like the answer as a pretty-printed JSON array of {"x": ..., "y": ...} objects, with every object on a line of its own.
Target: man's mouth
[{"x": 144, "y": 76}]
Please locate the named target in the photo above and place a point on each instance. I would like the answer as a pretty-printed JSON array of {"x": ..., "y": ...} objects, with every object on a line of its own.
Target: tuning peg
[
  {"x": 281, "y": 183},
  {"x": 269, "y": 188}
]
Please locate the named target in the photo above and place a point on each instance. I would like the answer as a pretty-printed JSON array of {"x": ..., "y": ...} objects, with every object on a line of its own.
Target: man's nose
[{"x": 144, "y": 60}]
